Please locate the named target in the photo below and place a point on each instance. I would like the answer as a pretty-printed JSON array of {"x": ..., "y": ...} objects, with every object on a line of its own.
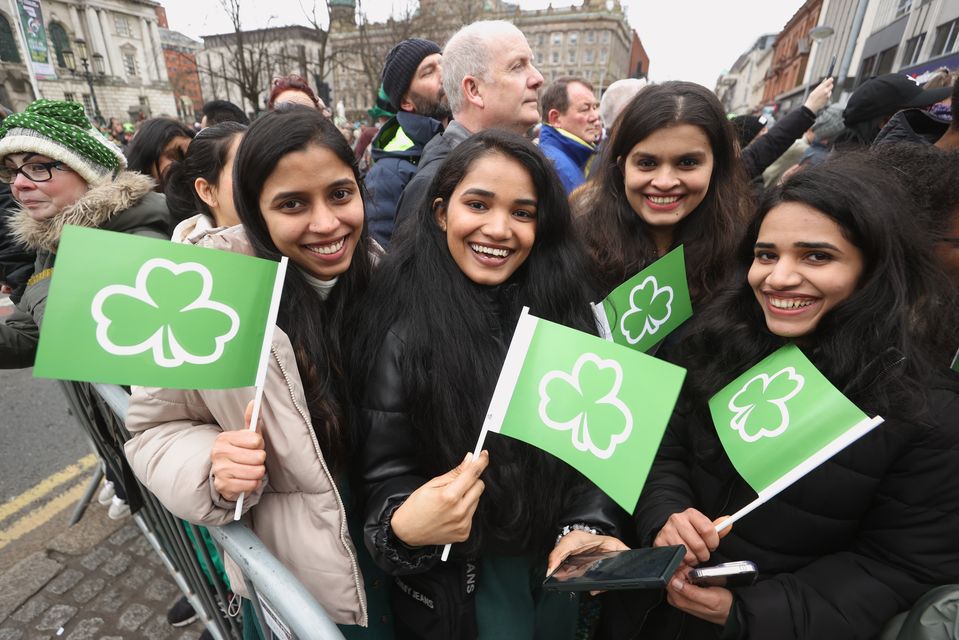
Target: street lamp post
[
  {"x": 816, "y": 34},
  {"x": 87, "y": 74}
]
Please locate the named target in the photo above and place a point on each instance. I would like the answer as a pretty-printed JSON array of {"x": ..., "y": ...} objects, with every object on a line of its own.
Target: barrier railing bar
[
  {"x": 298, "y": 609},
  {"x": 217, "y": 583}
]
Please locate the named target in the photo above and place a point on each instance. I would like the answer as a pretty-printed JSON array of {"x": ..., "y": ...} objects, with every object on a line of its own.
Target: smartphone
[
  {"x": 831, "y": 68},
  {"x": 649, "y": 568},
  {"x": 728, "y": 574}
]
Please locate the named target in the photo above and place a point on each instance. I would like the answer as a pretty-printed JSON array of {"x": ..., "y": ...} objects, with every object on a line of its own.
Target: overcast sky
[{"x": 686, "y": 39}]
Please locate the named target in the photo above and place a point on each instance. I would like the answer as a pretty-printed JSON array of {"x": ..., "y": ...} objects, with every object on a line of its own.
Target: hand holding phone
[
  {"x": 649, "y": 568},
  {"x": 728, "y": 574}
]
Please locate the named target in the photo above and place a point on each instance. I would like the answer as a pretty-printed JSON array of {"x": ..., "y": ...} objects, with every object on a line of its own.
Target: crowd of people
[{"x": 484, "y": 191}]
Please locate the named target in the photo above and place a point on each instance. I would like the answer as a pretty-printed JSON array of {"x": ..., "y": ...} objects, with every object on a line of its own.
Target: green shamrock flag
[
  {"x": 125, "y": 309},
  {"x": 596, "y": 405},
  {"x": 781, "y": 419},
  {"x": 649, "y": 306}
]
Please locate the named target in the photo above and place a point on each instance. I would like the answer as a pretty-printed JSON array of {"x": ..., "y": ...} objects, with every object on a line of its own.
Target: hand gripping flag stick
[
  {"x": 265, "y": 358},
  {"x": 810, "y": 463}
]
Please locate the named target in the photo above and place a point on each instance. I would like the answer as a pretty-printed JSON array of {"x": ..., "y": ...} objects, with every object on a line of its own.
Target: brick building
[
  {"x": 791, "y": 52},
  {"x": 179, "y": 54}
]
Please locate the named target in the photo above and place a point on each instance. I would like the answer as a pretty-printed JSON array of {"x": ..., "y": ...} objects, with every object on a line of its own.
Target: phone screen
[{"x": 631, "y": 569}]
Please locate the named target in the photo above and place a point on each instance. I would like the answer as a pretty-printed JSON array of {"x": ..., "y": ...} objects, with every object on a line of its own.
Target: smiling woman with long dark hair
[
  {"x": 495, "y": 234},
  {"x": 836, "y": 263}
]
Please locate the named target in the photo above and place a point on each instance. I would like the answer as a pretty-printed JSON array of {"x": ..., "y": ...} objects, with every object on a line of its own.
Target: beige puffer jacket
[{"x": 298, "y": 514}]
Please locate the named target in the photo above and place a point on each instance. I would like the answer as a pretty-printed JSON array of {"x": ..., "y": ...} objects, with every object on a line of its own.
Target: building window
[
  {"x": 604, "y": 38},
  {"x": 554, "y": 57},
  {"x": 572, "y": 37},
  {"x": 866, "y": 72},
  {"x": 88, "y": 105},
  {"x": 69, "y": 97},
  {"x": 557, "y": 38},
  {"x": 8, "y": 46},
  {"x": 130, "y": 62},
  {"x": 885, "y": 61},
  {"x": 903, "y": 7},
  {"x": 913, "y": 46},
  {"x": 590, "y": 36},
  {"x": 571, "y": 56},
  {"x": 603, "y": 55},
  {"x": 945, "y": 40},
  {"x": 540, "y": 39},
  {"x": 122, "y": 24},
  {"x": 539, "y": 57},
  {"x": 60, "y": 40},
  {"x": 588, "y": 56}
]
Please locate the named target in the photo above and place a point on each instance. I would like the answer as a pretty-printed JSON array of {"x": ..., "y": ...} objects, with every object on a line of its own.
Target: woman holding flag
[
  {"x": 838, "y": 266},
  {"x": 494, "y": 235},
  {"x": 297, "y": 192},
  {"x": 670, "y": 176}
]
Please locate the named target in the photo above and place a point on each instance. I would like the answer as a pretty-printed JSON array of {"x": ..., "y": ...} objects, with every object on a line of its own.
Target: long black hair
[
  {"x": 455, "y": 335},
  {"x": 205, "y": 158},
  {"x": 315, "y": 327},
  {"x": 144, "y": 151},
  {"x": 881, "y": 344},
  {"x": 619, "y": 241}
]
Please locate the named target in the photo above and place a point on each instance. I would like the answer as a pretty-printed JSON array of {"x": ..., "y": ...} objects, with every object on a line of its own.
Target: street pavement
[{"x": 99, "y": 579}]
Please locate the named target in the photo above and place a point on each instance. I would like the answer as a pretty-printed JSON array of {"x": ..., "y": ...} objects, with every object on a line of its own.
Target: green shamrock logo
[
  {"x": 649, "y": 308},
  {"x": 586, "y": 403},
  {"x": 168, "y": 312},
  {"x": 759, "y": 408}
]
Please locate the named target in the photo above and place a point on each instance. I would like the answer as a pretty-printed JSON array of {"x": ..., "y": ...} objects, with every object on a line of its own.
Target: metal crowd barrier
[{"x": 284, "y": 609}]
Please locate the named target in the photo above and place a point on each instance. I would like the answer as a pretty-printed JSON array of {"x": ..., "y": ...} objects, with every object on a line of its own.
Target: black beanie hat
[
  {"x": 401, "y": 64},
  {"x": 747, "y": 128}
]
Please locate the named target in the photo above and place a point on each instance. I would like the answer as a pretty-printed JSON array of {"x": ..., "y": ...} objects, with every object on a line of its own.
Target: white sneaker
[
  {"x": 118, "y": 509},
  {"x": 106, "y": 494}
]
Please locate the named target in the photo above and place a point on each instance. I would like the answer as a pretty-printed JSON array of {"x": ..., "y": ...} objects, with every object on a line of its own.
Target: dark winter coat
[
  {"x": 840, "y": 552},
  {"x": 913, "y": 126},
  {"x": 392, "y": 468},
  {"x": 126, "y": 204},
  {"x": 430, "y": 162},
  {"x": 16, "y": 261},
  {"x": 396, "y": 151},
  {"x": 765, "y": 150}
]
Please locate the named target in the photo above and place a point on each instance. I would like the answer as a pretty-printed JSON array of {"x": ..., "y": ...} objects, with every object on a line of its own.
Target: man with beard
[{"x": 413, "y": 81}]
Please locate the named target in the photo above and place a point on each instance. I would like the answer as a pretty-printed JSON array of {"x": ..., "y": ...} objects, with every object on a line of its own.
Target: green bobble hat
[{"x": 61, "y": 130}]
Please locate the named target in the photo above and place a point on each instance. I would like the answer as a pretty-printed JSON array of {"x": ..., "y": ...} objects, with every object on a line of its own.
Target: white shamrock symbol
[
  {"x": 742, "y": 412},
  {"x": 154, "y": 324},
  {"x": 577, "y": 402},
  {"x": 641, "y": 301}
]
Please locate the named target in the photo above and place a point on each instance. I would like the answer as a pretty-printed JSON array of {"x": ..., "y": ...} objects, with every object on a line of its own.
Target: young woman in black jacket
[
  {"x": 838, "y": 265},
  {"x": 494, "y": 235}
]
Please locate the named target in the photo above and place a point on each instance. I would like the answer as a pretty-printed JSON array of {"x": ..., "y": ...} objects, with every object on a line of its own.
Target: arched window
[
  {"x": 8, "y": 46},
  {"x": 61, "y": 43}
]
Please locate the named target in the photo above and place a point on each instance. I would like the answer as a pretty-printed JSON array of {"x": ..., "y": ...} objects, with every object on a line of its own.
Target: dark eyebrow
[
  {"x": 479, "y": 192},
  {"x": 816, "y": 245},
  {"x": 528, "y": 201},
  {"x": 342, "y": 182},
  {"x": 764, "y": 245},
  {"x": 283, "y": 195}
]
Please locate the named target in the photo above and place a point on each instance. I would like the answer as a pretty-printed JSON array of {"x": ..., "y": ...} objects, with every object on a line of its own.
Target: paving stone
[
  {"x": 11, "y": 634},
  {"x": 136, "y": 577},
  {"x": 86, "y": 590},
  {"x": 111, "y": 638},
  {"x": 95, "y": 558},
  {"x": 189, "y": 635},
  {"x": 157, "y": 629},
  {"x": 160, "y": 590},
  {"x": 55, "y": 617},
  {"x": 24, "y": 579},
  {"x": 124, "y": 535},
  {"x": 117, "y": 565},
  {"x": 86, "y": 629},
  {"x": 109, "y": 601},
  {"x": 142, "y": 548},
  {"x": 86, "y": 534},
  {"x": 33, "y": 607},
  {"x": 135, "y": 615},
  {"x": 65, "y": 581}
]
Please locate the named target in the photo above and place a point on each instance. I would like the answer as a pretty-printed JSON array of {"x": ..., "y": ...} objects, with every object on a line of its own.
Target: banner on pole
[{"x": 31, "y": 17}]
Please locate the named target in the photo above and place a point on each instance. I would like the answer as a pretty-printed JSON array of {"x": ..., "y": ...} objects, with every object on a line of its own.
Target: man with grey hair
[
  {"x": 615, "y": 98},
  {"x": 490, "y": 82}
]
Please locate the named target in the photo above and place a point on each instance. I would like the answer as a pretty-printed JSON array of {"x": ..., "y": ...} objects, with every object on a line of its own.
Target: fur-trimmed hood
[{"x": 101, "y": 203}]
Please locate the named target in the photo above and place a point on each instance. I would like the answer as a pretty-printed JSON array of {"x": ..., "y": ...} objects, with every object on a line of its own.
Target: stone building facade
[
  {"x": 593, "y": 41},
  {"x": 741, "y": 88},
  {"x": 122, "y": 41}
]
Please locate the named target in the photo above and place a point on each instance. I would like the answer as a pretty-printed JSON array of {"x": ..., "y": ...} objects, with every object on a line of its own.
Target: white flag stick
[
  {"x": 505, "y": 385},
  {"x": 602, "y": 322},
  {"x": 807, "y": 465},
  {"x": 265, "y": 357}
]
